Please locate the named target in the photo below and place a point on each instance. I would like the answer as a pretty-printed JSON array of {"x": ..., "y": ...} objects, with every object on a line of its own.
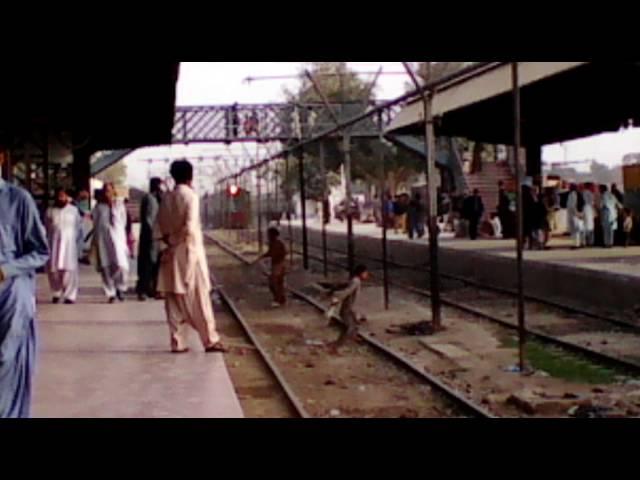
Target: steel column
[
  {"x": 347, "y": 174},
  {"x": 519, "y": 243},
  {"x": 383, "y": 211},
  {"x": 288, "y": 207},
  {"x": 303, "y": 202},
  {"x": 323, "y": 173},
  {"x": 432, "y": 198},
  {"x": 259, "y": 207},
  {"x": 276, "y": 187}
]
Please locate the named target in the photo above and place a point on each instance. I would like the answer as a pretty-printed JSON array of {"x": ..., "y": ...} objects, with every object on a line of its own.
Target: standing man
[
  {"x": 416, "y": 217},
  {"x": 148, "y": 246},
  {"x": 474, "y": 209},
  {"x": 64, "y": 232},
  {"x": 184, "y": 273},
  {"x": 278, "y": 254},
  {"x": 400, "y": 209},
  {"x": 23, "y": 249},
  {"x": 609, "y": 206},
  {"x": 109, "y": 224},
  {"x": 575, "y": 216},
  {"x": 617, "y": 194},
  {"x": 589, "y": 215}
]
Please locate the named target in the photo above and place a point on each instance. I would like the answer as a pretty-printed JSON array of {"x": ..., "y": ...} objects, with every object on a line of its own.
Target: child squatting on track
[{"x": 346, "y": 299}]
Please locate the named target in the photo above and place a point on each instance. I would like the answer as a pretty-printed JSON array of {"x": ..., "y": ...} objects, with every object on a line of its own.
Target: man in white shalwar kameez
[
  {"x": 609, "y": 206},
  {"x": 109, "y": 227},
  {"x": 184, "y": 273},
  {"x": 64, "y": 232},
  {"x": 589, "y": 215},
  {"x": 575, "y": 216}
]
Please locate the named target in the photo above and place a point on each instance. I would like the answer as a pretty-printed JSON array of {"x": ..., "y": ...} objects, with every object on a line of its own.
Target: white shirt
[{"x": 64, "y": 232}]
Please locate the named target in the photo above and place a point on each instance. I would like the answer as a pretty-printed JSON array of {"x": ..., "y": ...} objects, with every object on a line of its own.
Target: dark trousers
[
  {"x": 416, "y": 227},
  {"x": 147, "y": 277},
  {"x": 473, "y": 227},
  {"x": 276, "y": 285}
]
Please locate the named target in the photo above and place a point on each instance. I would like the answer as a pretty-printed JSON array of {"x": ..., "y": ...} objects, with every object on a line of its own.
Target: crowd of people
[
  {"x": 598, "y": 216},
  {"x": 403, "y": 214},
  {"x": 595, "y": 216},
  {"x": 172, "y": 265}
]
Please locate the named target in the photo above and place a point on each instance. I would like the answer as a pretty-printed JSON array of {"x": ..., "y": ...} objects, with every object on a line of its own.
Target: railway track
[
  {"x": 292, "y": 398},
  {"x": 454, "y": 397},
  {"x": 424, "y": 268},
  {"x": 594, "y": 324}
]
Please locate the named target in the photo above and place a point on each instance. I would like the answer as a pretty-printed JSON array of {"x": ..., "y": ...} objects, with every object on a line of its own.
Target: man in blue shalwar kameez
[{"x": 23, "y": 249}]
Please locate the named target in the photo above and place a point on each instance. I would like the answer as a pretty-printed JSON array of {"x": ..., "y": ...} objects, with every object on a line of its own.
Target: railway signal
[{"x": 233, "y": 190}]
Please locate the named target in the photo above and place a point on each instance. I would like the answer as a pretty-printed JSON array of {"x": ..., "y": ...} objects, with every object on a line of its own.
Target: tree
[{"x": 341, "y": 85}]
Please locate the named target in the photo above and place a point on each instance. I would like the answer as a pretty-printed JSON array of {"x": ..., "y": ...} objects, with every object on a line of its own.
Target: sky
[{"x": 212, "y": 83}]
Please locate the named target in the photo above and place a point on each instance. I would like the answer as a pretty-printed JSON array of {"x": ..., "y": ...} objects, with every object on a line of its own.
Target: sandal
[
  {"x": 180, "y": 351},
  {"x": 217, "y": 348}
]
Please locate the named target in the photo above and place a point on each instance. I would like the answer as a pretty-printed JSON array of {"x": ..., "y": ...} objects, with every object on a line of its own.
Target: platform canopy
[
  {"x": 103, "y": 103},
  {"x": 560, "y": 101}
]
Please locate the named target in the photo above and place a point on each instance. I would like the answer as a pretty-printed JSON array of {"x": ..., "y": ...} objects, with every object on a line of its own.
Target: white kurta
[
  {"x": 179, "y": 220},
  {"x": 589, "y": 211},
  {"x": 110, "y": 235},
  {"x": 64, "y": 232},
  {"x": 609, "y": 217},
  {"x": 184, "y": 272},
  {"x": 609, "y": 205},
  {"x": 109, "y": 225},
  {"x": 576, "y": 223}
]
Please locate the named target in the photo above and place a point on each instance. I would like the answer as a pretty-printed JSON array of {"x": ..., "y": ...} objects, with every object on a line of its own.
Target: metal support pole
[
  {"x": 383, "y": 204},
  {"x": 269, "y": 194},
  {"x": 288, "y": 207},
  {"x": 323, "y": 173},
  {"x": 347, "y": 174},
  {"x": 276, "y": 187},
  {"x": 519, "y": 243},
  {"x": 259, "y": 207},
  {"x": 303, "y": 202},
  {"x": 432, "y": 213},
  {"x": 246, "y": 187},
  {"x": 221, "y": 208},
  {"x": 237, "y": 212},
  {"x": 226, "y": 210},
  {"x": 432, "y": 203}
]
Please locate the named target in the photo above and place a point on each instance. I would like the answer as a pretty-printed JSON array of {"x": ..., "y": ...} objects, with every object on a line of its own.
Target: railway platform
[
  {"x": 574, "y": 362},
  {"x": 97, "y": 360},
  {"x": 605, "y": 281}
]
